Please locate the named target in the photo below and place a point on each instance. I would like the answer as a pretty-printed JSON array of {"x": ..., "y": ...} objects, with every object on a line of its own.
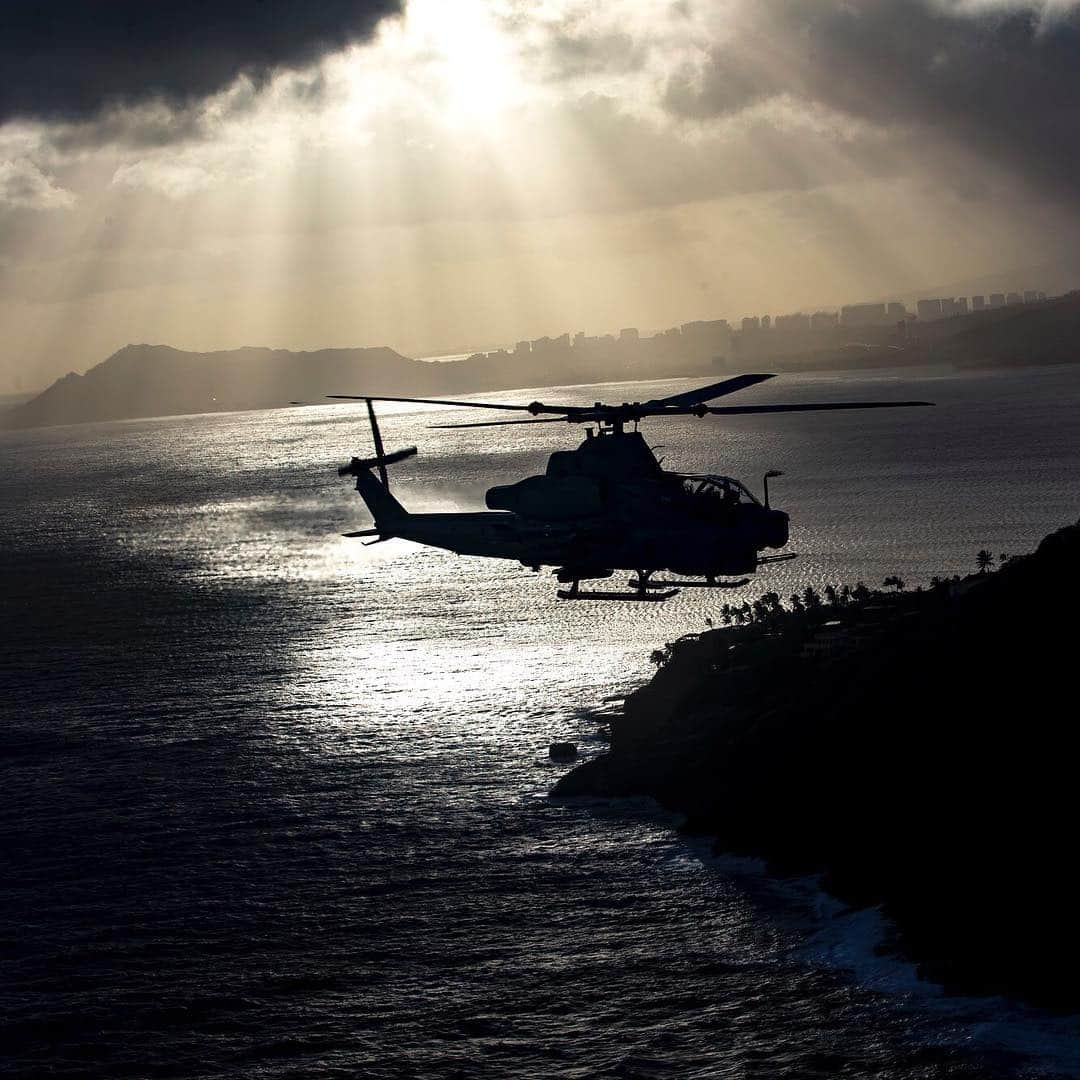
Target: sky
[{"x": 442, "y": 175}]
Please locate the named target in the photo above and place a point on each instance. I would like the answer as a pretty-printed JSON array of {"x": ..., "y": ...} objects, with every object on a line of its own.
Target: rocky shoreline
[{"x": 915, "y": 749}]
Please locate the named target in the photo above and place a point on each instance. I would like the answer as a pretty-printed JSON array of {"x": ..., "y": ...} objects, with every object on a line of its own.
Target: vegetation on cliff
[{"x": 915, "y": 748}]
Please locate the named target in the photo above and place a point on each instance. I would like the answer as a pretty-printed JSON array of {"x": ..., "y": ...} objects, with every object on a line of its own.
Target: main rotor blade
[
  {"x": 828, "y": 406},
  {"x": 427, "y": 401},
  {"x": 713, "y": 391},
  {"x": 536, "y": 406},
  {"x": 503, "y": 423}
]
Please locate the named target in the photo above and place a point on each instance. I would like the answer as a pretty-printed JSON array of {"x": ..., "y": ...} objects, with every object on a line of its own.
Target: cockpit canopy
[{"x": 724, "y": 488}]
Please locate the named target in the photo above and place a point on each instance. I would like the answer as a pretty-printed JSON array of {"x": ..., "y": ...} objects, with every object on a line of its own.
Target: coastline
[{"x": 905, "y": 747}]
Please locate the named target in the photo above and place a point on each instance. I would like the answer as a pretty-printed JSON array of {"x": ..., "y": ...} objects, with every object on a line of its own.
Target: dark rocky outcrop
[{"x": 919, "y": 754}]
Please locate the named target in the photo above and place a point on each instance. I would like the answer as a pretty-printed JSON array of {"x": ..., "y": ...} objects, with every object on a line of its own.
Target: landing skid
[
  {"x": 641, "y": 593},
  {"x": 637, "y": 597},
  {"x": 787, "y": 557},
  {"x": 708, "y": 583}
]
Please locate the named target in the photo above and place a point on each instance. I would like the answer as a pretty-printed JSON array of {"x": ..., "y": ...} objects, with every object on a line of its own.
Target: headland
[{"x": 915, "y": 748}]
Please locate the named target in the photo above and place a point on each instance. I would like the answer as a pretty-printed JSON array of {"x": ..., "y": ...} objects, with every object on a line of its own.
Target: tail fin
[{"x": 385, "y": 509}]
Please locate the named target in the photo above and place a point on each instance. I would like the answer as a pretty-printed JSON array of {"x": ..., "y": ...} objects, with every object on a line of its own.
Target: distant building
[
  {"x": 1030, "y": 296},
  {"x": 797, "y": 323},
  {"x": 522, "y": 348},
  {"x": 629, "y": 333},
  {"x": 978, "y": 303},
  {"x": 707, "y": 339},
  {"x": 766, "y": 322},
  {"x": 997, "y": 300},
  {"x": 750, "y": 324},
  {"x": 896, "y": 312},
  {"x": 928, "y": 310},
  {"x": 1014, "y": 298},
  {"x": 954, "y": 305},
  {"x": 824, "y": 320},
  {"x": 579, "y": 340},
  {"x": 864, "y": 315}
]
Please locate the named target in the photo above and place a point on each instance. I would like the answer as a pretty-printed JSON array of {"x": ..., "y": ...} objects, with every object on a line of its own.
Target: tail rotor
[
  {"x": 385, "y": 509},
  {"x": 381, "y": 458}
]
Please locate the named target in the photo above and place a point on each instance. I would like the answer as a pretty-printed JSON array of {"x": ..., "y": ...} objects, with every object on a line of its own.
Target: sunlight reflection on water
[{"x": 274, "y": 753}]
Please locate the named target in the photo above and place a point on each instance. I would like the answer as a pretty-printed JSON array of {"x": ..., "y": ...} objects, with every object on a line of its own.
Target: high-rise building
[
  {"x": 928, "y": 310},
  {"x": 629, "y": 333},
  {"x": 709, "y": 338},
  {"x": 997, "y": 300},
  {"x": 792, "y": 324},
  {"x": 751, "y": 323},
  {"x": 864, "y": 315},
  {"x": 978, "y": 303}
]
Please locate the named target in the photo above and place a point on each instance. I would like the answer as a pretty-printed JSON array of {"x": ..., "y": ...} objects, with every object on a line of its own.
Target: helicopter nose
[{"x": 775, "y": 528}]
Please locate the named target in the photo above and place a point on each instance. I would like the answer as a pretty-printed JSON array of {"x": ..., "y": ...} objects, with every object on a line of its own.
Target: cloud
[
  {"x": 25, "y": 186},
  {"x": 998, "y": 79},
  {"x": 71, "y": 60}
]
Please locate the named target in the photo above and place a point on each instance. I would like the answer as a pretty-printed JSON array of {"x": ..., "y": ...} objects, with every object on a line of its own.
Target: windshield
[{"x": 718, "y": 487}]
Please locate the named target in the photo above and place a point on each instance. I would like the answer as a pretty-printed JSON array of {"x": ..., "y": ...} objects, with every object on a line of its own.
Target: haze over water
[{"x": 275, "y": 803}]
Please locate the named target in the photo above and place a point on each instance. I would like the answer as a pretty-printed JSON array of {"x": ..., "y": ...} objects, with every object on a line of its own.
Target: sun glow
[{"x": 452, "y": 64}]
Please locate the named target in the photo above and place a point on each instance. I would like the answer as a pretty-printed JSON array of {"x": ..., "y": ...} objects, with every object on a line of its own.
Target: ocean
[{"x": 274, "y": 803}]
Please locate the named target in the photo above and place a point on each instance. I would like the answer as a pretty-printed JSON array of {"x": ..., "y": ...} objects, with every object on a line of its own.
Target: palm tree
[
  {"x": 894, "y": 581},
  {"x": 984, "y": 560},
  {"x": 810, "y": 598},
  {"x": 861, "y": 592},
  {"x": 845, "y": 595},
  {"x": 831, "y": 595},
  {"x": 797, "y": 606}
]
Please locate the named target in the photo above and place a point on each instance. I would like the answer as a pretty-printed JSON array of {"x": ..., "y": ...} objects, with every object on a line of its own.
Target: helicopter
[{"x": 607, "y": 505}]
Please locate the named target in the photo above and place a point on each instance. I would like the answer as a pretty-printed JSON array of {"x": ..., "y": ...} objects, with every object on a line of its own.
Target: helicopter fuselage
[{"x": 607, "y": 505}]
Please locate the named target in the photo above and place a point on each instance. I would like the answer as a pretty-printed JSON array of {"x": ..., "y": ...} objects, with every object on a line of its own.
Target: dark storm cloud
[
  {"x": 1005, "y": 84},
  {"x": 71, "y": 59}
]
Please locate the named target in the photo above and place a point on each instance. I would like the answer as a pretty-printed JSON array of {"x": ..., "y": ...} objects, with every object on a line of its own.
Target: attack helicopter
[{"x": 607, "y": 505}]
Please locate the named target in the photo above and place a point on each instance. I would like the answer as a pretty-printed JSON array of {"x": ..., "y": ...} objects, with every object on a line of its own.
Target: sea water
[{"x": 274, "y": 803}]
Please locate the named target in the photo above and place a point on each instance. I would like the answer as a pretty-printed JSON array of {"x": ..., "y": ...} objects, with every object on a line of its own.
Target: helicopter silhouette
[{"x": 607, "y": 505}]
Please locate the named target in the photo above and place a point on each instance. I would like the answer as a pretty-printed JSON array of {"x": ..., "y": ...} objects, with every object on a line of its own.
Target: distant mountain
[
  {"x": 1044, "y": 333},
  {"x": 156, "y": 380}
]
